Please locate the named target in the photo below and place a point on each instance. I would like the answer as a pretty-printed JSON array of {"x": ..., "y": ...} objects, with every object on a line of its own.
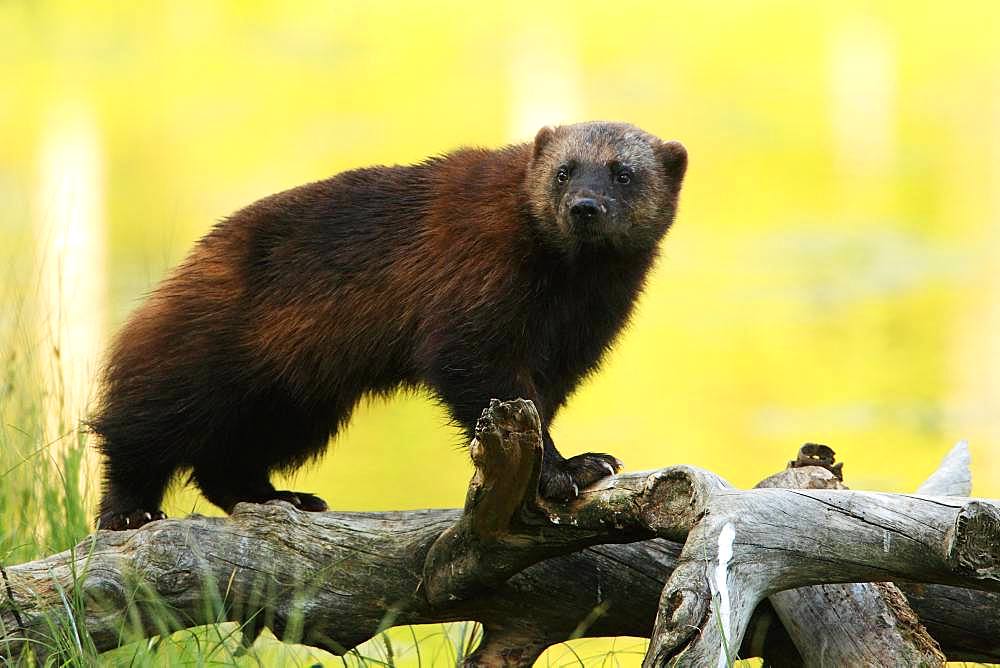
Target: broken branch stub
[
  {"x": 953, "y": 476},
  {"x": 506, "y": 526},
  {"x": 817, "y": 454},
  {"x": 472, "y": 554}
]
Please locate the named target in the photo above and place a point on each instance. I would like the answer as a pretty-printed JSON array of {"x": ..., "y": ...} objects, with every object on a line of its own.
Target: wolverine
[{"x": 476, "y": 274}]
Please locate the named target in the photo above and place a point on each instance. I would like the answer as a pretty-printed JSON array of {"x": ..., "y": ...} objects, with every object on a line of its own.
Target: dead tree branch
[
  {"x": 751, "y": 544},
  {"x": 516, "y": 563},
  {"x": 832, "y": 624}
]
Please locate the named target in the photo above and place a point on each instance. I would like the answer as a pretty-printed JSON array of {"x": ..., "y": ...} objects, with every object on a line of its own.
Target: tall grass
[{"x": 42, "y": 492}]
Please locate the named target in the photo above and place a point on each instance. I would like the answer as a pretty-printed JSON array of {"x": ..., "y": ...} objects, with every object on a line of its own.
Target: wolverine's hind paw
[
  {"x": 115, "y": 521},
  {"x": 301, "y": 500},
  {"x": 564, "y": 480}
]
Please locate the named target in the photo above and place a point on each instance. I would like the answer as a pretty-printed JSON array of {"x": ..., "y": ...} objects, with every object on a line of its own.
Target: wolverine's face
[{"x": 604, "y": 183}]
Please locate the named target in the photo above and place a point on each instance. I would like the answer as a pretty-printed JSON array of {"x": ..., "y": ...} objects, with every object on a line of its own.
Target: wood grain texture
[
  {"x": 751, "y": 544},
  {"x": 530, "y": 571},
  {"x": 861, "y": 623}
]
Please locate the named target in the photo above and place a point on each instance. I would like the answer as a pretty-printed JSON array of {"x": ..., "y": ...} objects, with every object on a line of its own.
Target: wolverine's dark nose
[{"x": 586, "y": 210}]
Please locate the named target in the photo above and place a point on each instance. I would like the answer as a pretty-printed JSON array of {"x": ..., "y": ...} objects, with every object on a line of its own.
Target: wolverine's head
[{"x": 604, "y": 183}]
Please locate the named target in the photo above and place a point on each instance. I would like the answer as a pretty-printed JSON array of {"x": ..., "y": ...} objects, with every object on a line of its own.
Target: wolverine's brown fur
[{"x": 478, "y": 274}]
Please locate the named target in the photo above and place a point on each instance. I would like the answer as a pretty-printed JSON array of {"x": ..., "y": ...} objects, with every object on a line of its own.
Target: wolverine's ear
[
  {"x": 674, "y": 158},
  {"x": 543, "y": 137}
]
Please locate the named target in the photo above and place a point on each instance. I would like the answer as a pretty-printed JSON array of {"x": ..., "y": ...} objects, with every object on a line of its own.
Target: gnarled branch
[
  {"x": 751, "y": 544},
  {"x": 509, "y": 560}
]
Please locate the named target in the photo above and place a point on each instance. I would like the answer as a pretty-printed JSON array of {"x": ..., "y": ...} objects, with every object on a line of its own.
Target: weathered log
[
  {"x": 965, "y": 622},
  {"x": 977, "y": 637},
  {"x": 506, "y": 526},
  {"x": 862, "y": 623},
  {"x": 751, "y": 544},
  {"x": 335, "y": 579}
]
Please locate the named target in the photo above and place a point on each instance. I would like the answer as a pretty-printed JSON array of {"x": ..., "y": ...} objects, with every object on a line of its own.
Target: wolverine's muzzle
[
  {"x": 589, "y": 214},
  {"x": 584, "y": 210}
]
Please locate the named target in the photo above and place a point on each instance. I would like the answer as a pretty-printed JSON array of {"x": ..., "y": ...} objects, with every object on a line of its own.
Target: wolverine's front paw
[
  {"x": 302, "y": 500},
  {"x": 564, "y": 480},
  {"x": 133, "y": 519}
]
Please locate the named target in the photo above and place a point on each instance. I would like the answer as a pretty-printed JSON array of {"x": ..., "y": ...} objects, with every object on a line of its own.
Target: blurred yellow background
[{"x": 832, "y": 275}]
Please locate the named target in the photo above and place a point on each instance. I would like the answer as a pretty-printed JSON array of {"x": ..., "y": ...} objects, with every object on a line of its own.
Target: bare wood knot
[
  {"x": 975, "y": 544},
  {"x": 817, "y": 454}
]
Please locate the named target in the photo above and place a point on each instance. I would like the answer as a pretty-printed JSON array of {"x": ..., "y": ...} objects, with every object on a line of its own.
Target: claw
[{"x": 129, "y": 519}]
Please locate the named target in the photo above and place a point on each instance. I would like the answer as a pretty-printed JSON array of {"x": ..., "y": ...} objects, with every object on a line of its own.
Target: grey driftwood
[
  {"x": 876, "y": 625},
  {"x": 634, "y": 548}
]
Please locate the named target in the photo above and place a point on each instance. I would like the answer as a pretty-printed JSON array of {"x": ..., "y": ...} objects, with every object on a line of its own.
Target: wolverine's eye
[
  {"x": 562, "y": 176},
  {"x": 624, "y": 178}
]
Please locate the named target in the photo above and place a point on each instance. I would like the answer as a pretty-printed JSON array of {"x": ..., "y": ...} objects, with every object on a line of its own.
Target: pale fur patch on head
[{"x": 601, "y": 143}]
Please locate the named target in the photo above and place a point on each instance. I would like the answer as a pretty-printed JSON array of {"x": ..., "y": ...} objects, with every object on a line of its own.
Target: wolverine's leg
[
  {"x": 563, "y": 478},
  {"x": 277, "y": 434},
  {"x": 132, "y": 493},
  {"x": 466, "y": 395},
  {"x": 225, "y": 486}
]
